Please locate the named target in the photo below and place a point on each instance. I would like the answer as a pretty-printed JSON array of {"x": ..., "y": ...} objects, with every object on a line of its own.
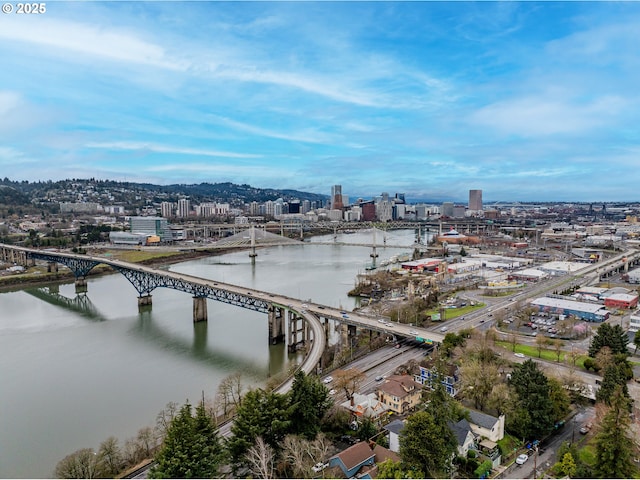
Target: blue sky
[{"x": 526, "y": 101}]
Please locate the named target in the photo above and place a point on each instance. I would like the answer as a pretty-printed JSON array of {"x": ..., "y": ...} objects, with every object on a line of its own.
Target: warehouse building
[{"x": 586, "y": 311}]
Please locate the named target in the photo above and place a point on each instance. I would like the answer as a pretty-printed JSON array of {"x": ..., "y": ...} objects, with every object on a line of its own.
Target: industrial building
[{"x": 587, "y": 311}]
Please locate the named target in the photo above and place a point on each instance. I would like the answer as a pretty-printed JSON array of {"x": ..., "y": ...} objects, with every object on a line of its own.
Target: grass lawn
[
  {"x": 545, "y": 354},
  {"x": 588, "y": 455},
  {"x": 455, "y": 312},
  {"x": 137, "y": 256}
]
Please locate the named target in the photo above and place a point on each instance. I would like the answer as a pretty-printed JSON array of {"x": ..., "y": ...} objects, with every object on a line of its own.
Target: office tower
[
  {"x": 336, "y": 197},
  {"x": 294, "y": 206},
  {"x": 447, "y": 209},
  {"x": 475, "y": 200}
]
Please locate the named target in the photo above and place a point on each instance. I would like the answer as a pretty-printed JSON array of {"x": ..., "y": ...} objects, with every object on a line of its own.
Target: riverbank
[{"x": 38, "y": 274}]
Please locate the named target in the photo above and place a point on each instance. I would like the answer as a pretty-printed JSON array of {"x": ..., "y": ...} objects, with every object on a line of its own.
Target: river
[{"x": 74, "y": 374}]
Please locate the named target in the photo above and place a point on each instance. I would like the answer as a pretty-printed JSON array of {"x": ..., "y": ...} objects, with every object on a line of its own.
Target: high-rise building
[
  {"x": 336, "y": 197},
  {"x": 447, "y": 209},
  {"x": 166, "y": 209},
  {"x": 184, "y": 207},
  {"x": 475, "y": 200}
]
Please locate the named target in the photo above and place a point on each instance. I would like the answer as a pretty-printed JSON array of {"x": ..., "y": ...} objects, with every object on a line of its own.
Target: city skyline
[{"x": 524, "y": 101}]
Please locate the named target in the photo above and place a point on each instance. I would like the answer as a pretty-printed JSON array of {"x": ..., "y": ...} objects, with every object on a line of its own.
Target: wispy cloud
[{"x": 157, "y": 148}]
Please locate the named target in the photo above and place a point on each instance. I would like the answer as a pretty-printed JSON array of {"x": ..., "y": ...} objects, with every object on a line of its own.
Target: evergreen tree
[
  {"x": 560, "y": 399},
  {"x": 535, "y": 419},
  {"x": 424, "y": 447},
  {"x": 613, "y": 337},
  {"x": 612, "y": 379},
  {"x": 614, "y": 443},
  {"x": 191, "y": 448},
  {"x": 309, "y": 401},
  {"x": 264, "y": 414}
]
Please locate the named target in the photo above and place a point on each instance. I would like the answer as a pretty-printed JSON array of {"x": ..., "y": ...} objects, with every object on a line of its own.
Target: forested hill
[{"x": 71, "y": 190}]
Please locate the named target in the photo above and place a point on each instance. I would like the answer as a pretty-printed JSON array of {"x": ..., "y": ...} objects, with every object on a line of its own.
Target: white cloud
[
  {"x": 89, "y": 40},
  {"x": 308, "y": 136},
  {"x": 539, "y": 116},
  {"x": 154, "y": 147}
]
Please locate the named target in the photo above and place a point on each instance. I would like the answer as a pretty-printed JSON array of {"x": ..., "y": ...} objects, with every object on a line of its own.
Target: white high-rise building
[{"x": 184, "y": 207}]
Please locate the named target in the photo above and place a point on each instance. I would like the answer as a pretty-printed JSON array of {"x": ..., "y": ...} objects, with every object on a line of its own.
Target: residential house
[
  {"x": 428, "y": 375},
  {"x": 394, "y": 428},
  {"x": 361, "y": 459},
  {"x": 464, "y": 435},
  {"x": 487, "y": 426},
  {"x": 400, "y": 393},
  {"x": 366, "y": 406}
]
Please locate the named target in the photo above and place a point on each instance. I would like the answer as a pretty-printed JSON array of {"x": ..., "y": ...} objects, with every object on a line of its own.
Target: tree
[
  {"x": 541, "y": 342},
  {"x": 261, "y": 459},
  {"x": 229, "y": 394},
  {"x": 309, "y": 401},
  {"x": 425, "y": 447},
  {"x": 535, "y": 410},
  {"x": 264, "y": 414},
  {"x": 110, "y": 457},
  {"x": 191, "y": 448},
  {"x": 165, "y": 417},
  {"x": 560, "y": 399},
  {"x": 348, "y": 380},
  {"x": 568, "y": 465},
  {"x": 612, "y": 379},
  {"x": 615, "y": 445},
  {"x": 613, "y": 337},
  {"x": 478, "y": 380},
  {"x": 636, "y": 340},
  {"x": 557, "y": 348},
  {"x": 82, "y": 463}
]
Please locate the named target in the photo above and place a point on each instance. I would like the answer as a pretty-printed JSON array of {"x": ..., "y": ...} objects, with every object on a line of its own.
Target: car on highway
[
  {"x": 304, "y": 305},
  {"x": 522, "y": 458},
  {"x": 444, "y": 329},
  {"x": 329, "y": 379},
  {"x": 413, "y": 332},
  {"x": 344, "y": 315},
  {"x": 379, "y": 378}
]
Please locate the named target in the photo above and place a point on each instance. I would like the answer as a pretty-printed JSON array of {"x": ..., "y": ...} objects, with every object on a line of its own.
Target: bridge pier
[
  {"x": 144, "y": 301},
  {"x": 296, "y": 327},
  {"x": 276, "y": 325},
  {"x": 199, "y": 309},
  {"x": 81, "y": 285},
  {"x": 52, "y": 267}
]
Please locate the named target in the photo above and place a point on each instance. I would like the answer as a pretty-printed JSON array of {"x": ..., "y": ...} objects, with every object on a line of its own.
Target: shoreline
[{"x": 37, "y": 278}]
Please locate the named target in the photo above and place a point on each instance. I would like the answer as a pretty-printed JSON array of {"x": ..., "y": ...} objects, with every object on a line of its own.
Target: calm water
[{"x": 73, "y": 375}]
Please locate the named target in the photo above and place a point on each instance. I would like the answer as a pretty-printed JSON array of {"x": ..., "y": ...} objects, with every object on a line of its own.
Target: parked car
[
  {"x": 522, "y": 458},
  {"x": 586, "y": 428},
  {"x": 328, "y": 380},
  {"x": 519, "y": 355},
  {"x": 318, "y": 467}
]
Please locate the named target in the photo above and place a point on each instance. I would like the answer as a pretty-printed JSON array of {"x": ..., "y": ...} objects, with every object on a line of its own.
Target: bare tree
[
  {"x": 557, "y": 347},
  {"x": 165, "y": 417},
  {"x": 478, "y": 380},
  {"x": 82, "y": 463},
  {"x": 541, "y": 341},
  {"x": 110, "y": 457},
  {"x": 296, "y": 455},
  {"x": 261, "y": 459},
  {"x": 229, "y": 394},
  {"x": 513, "y": 340},
  {"x": 349, "y": 380}
]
